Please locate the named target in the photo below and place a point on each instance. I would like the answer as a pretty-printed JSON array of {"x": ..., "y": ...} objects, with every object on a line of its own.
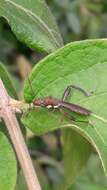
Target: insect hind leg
[{"x": 69, "y": 89}]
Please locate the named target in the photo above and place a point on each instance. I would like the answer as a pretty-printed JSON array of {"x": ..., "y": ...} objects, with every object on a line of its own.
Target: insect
[
  {"x": 54, "y": 103},
  {"x": 51, "y": 102}
]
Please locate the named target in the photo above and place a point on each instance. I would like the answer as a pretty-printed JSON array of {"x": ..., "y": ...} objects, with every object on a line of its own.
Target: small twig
[{"x": 17, "y": 139}]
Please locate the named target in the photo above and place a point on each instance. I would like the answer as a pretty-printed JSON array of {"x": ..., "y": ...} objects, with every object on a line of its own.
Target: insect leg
[
  {"x": 67, "y": 115},
  {"x": 68, "y": 91}
]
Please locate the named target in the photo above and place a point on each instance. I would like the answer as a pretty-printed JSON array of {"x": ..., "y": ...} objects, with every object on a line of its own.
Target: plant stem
[{"x": 17, "y": 139}]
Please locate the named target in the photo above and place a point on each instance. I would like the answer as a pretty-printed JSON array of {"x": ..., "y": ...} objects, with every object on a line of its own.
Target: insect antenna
[{"x": 32, "y": 90}]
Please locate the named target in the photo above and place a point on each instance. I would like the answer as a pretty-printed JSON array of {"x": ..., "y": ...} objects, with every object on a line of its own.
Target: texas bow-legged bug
[
  {"x": 54, "y": 103},
  {"x": 51, "y": 102}
]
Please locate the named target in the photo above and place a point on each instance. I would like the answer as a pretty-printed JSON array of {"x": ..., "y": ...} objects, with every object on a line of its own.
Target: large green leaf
[
  {"x": 33, "y": 23},
  {"x": 83, "y": 64},
  {"x": 8, "y": 168}
]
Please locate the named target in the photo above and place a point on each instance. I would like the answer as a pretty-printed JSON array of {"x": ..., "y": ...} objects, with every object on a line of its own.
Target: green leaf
[
  {"x": 88, "y": 186},
  {"x": 4, "y": 75},
  {"x": 76, "y": 153},
  {"x": 8, "y": 168},
  {"x": 83, "y": 64},
  {"x": 92, "y": 187},
  {"x": 92, "y": 177},
  {"x": 32, "y": 23},
  {"x": 7, "y": 42}
]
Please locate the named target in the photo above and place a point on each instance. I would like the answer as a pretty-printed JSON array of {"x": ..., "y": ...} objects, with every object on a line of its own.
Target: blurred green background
[{"x": 77, "y": 20}]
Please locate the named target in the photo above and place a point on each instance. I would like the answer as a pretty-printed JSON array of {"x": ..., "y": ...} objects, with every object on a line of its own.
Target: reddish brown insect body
[
  {"x": 51, "y": 102},
  {"x": 47, "y": 101}
]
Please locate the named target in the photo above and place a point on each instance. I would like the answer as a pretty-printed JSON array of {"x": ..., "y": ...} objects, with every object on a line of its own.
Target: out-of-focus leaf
[
  {"x": 21, "y": 184},
  {"x": 92, "y": 174},
  {"x": 94, "y": 28},
  {"x": 94, "y": 171},
  {"x": 88, "y": 186},
  {"x": 32, "y": 23},
  {"x": 8, "y": 168},
  {"x": 62, "y": 3},
  {"x": 73, "y": 22},
  {"x": 76, "y": 153},
  {"x": 7, "y": 42},
  {"x": 4, "y": 75},
  {"x": 94, "y": 7}
]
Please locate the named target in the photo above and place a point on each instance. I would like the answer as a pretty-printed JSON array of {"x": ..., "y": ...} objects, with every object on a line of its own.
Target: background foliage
[{"x": 77, "y": 20}]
